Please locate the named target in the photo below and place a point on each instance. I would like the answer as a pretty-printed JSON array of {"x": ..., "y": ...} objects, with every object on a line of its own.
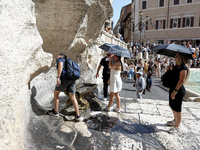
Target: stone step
[{"x": 194, "y": 99}]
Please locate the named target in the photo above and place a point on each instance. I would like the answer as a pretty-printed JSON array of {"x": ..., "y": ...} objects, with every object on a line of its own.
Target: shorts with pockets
[{"x": 69, "y": 85}]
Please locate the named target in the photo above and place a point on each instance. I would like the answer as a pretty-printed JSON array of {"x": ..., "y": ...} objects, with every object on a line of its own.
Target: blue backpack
[{"x": 72, "y": 69}]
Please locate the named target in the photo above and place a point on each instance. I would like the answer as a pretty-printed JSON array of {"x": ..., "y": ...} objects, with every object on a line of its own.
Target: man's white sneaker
[
  {"x": 171, "y": 123},
  {"x": 105, "y": 98},
  {"x": 106, "y": 109},
  {"x": 116, "y": 110},
  {"x": 173, "y": 130}
]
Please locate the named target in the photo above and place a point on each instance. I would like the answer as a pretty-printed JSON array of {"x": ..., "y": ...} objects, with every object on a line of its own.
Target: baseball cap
[{"x": 139, "y": 73}]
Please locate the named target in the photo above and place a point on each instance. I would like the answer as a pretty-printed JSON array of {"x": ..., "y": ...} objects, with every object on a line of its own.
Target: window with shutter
[
  {"x": 175, "y": 23},
  {"x": 144, "y": 4},
  {"x": 179, "y": 22},
  {"x": 187, "y": 22},
  {"x": 171, "y": 22},
  {"x": 176, "y": 2},
  {"x": 161, "y": 4},
  {"x": 192, "y": 21},
  {"x": 160, "y": 25},
  {"x": 164, "y": 24},
  {"x": 199, "y": 21},
  {"x": 183, "y": 22},
  {"x": 157, "y": 24}
]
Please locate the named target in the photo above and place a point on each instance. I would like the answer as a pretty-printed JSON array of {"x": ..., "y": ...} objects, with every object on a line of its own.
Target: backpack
[{"x": 72, "y": 69}]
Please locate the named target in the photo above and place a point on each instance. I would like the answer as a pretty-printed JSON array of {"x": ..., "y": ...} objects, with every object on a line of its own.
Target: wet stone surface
[{"x": 101, "y": 122}]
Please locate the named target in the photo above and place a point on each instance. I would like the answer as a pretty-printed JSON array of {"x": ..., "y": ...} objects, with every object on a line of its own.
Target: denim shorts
[{"x": 69, "y": 85}]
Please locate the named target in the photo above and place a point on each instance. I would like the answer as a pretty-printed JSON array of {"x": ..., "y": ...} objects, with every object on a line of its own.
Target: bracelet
[{"x": 58, "y": 76}]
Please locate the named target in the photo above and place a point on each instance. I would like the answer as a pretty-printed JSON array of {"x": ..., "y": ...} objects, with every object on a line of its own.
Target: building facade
[
  {"x": 123, "y": 25},
  {"x": 169, "y": 20},
  {"x": 109, "y": 22}
]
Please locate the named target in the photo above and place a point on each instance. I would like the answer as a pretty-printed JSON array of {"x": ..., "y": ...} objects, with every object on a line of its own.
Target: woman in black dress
[{"x": 177, "y": 90}]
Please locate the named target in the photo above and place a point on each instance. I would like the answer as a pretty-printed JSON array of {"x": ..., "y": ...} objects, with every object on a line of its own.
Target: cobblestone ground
[{"x": 157, "y": 92}]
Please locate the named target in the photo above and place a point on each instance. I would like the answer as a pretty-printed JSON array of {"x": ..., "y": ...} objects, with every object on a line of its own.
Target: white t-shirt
[
  {"x": 125, "y": 67},
  {"x": 193, "y": 50}
]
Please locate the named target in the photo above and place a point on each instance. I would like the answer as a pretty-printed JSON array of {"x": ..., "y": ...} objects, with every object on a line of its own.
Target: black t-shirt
[
  {"x": 105, "y": 62},
  {"x": 176, "y": 73}
]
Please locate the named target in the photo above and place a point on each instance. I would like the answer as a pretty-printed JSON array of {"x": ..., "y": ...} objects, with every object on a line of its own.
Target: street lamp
[
  {"x": 141, "y": 25},
  {"x": 140, "y": 28}
]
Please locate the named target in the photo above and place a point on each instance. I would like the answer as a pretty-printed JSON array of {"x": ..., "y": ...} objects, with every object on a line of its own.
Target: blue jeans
[
  {"x": 149, "y": 83},
  {"x": 131, "y": 76}
]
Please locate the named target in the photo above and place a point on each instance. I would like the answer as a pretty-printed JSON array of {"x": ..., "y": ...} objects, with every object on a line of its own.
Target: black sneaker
[
  {"x": 78, "y": 118},
  {"x": 53, "y": 113}
]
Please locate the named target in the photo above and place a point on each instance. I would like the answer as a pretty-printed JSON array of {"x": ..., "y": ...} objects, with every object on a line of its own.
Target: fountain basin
[{"x": 193, "y": 85}]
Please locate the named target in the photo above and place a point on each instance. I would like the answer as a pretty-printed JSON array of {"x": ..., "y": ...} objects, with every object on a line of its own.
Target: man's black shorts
[{"x": 69, "y": 85}]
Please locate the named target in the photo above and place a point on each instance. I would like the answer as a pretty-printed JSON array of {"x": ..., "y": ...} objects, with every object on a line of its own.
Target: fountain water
[{"x": 193, "y": 82}]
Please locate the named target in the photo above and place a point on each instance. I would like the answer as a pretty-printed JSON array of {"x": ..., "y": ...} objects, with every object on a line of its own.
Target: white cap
[{"x": 139, "y": 73}]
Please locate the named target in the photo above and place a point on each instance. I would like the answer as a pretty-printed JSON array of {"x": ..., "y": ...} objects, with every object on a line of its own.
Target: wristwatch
[
  {"x": 58, "y": 76},
  {"x": 175, "y": 90}
]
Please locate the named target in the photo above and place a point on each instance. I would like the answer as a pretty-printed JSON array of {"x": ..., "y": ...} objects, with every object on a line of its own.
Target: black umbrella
[
  {"x": 116, "y": 49},
  {"x": 172, "y": 49}
]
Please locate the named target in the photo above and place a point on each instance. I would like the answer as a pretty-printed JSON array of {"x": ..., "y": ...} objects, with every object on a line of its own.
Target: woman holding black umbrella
[
  {"x": 115, "y": 66},
  {"x": 177, "y": 90}
]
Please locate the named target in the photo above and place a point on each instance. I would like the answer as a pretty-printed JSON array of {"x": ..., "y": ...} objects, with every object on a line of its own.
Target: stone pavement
[{"x": 144, "y": 122}]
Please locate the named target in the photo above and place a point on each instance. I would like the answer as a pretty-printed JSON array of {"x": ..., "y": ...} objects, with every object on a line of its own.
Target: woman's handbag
[{"x": 167, "y": 79}]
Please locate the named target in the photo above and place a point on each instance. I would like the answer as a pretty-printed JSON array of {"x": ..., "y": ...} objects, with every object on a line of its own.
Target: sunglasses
[{"x": 108, "y": 54}]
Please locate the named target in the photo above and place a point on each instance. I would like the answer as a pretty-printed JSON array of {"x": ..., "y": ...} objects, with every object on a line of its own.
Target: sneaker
[
  {"x": 78, "y": 118},
  {"x": 116, "y": 110},
  {"x": 173, "y": 130},
  {"x": 106, "y": 109},
  {"x": 105, "y": 98},
  {"x": 53, "y": 113},
  {"x": 171, "y": 123}
]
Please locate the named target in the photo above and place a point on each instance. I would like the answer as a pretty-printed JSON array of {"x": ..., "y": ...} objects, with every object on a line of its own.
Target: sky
[{"x": 117, "y": 6}]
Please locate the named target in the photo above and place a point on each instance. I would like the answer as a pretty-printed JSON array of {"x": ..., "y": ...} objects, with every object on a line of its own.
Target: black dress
[{"x": 176, "y": 103}]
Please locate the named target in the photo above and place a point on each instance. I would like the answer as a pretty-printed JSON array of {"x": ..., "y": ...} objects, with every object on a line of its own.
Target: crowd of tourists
[{"x": 156, "y": 66}]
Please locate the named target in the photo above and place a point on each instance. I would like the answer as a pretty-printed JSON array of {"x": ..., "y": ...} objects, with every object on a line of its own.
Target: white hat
[{"x": 139, "y": 73}]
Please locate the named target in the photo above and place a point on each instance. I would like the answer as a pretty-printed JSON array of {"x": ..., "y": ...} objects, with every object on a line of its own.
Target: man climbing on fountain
[{"x": 63, "y": 82}]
